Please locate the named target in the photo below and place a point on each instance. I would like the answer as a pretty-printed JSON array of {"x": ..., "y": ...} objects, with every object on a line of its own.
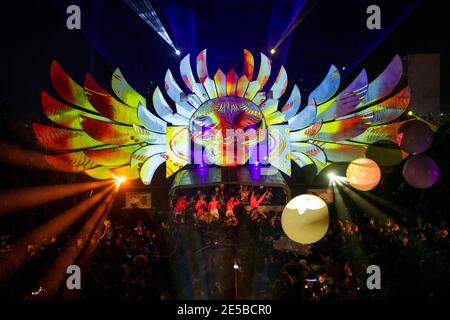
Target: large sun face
[{"x": 217, "y": 122}]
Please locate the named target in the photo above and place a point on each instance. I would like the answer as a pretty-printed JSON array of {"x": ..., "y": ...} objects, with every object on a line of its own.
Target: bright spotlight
[
  {"x": 121, "y": 180},
  {"x": 331, "y": 176},
  {"x": 178, "y": 52},
  {"x": 410, "y": 113},
  {"x": 235, "y": 266},
  {"x": 272, "y": 51}
]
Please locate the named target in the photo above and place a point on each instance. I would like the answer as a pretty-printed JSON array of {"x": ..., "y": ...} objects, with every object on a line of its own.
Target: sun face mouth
[{"x": 217, "y": 124}]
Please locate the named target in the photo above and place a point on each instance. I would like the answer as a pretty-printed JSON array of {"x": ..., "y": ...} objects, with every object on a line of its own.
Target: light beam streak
[
  {"x": 146, "y": 12},
  {"x": 14, "y": 260},
  {"x": 55, "y": 276},
  {"x": 16, "y": 200}
]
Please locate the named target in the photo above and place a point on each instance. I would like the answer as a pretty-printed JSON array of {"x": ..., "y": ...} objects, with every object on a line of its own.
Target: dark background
[{"x": 33, "y": 33}]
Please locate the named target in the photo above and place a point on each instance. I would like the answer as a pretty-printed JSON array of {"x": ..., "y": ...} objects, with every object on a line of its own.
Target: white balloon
[{"x": 305, "y": 219}]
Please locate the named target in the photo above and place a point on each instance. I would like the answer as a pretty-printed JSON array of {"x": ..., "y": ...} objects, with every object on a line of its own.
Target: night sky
[{"x": 331, "y": 32}]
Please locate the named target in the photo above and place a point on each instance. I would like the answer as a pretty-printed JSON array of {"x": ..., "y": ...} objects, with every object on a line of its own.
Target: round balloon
[
  {"x": 421, "y": 172},
  {"x": 363, "y": 174},
  {"x": 305, "y": 219},
  {"x": 414, "y": 136}
]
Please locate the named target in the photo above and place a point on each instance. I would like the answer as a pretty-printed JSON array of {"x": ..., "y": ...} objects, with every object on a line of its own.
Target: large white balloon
[{"x": 305, "y": 219}]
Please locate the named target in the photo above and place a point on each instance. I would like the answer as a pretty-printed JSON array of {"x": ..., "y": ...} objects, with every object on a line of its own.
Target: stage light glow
[
  {"x": 177, "y": 52},
  {"x": 272, "y": 51},
  {"x": 331, "y": 176},
  {"x": 235, "y": 266},
  {"x": 410, "y": 113},
  {"x": 120, "y": 180}
]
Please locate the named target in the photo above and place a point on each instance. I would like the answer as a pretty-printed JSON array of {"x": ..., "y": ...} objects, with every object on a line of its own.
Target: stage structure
[{"x": 109, "y": 136}]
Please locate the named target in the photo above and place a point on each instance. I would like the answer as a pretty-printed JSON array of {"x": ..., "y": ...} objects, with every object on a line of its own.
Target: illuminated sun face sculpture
[
  {"x": 109, "y": 136},
  {"x": 215, "y": 124}
]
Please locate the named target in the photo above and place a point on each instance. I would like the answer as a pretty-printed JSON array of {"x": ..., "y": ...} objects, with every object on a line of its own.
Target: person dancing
[
  {"x": 180, "y": 207},
  {"x": 213, "y": 207},
  {"x": 255, "y": 201},
  {"x": 200, "y": 207},
  {"x": 231, "y": 219}
]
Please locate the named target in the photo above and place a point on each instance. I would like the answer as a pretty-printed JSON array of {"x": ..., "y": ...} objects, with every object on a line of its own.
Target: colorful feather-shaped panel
[
  {"x": 386, "y": 132},
  {"x": 107, "y": 105},
  {"x": 150, "y": 121},
  {"x": 280, "y": 85},
  {"x": 341, "y": 152},
  {"x": 141, "y": 155},
  {"x": 345, "y": 129},
  {"x": 71, "y": 162},
  {"x": 293, "y": 104},
  {"x": 392, "y": 108},
  {"x": 306, "y": 133},
  {"x": 112, "y": 157},
  {"x": 221, "y": 83},
  {"x": 101, "y": 173},
  {"x": 149, "y": 167},
  {"x": 327, "y": 87},
  {"x": 109, "y": 133},
  {"x": 125, "y": 92},
  {"x": 248, "y": 65},
  {"x": 232, "y": 79},
  {"x": 301, "y": 159},
  {"x": 264, "y": 71},
  {"x": 346, "y": 101},
  {"x": 385, "y": 82},
  {"x": 68, "y": 89},
  {"x": 64, "y": 139},
  {"x": 202, "y": 68},
  {"x": 311, "y": 150},
  {"x": 61, "y": 113}
]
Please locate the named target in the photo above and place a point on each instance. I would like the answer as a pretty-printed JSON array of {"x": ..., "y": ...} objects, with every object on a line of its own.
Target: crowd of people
[
  {"x": 186, "y": 252},
  {"x": 164, "y": 259},
  {"x": 176, "y": 254}
]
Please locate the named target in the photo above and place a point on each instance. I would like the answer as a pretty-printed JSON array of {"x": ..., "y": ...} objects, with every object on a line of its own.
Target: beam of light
[
  {"x": 146, "y": 12},
  {"x": 354, "y": 249},
  {"x": 88, "y": 251},
  {"x": 431, "y": 125},
  {"x": 54, "y": 277},
  {"x": 334, "y": 179},
  {"x": 19, "y": 157},
  {"x": 382, "y": 201},
  {"x": 387, "y": 31},
  {"x": 303, "y": 11},
  {"x": 16, "y": 200},
  {"x": 362, "y": 203},
  {"x": 15, "y": 259},
  {"x": 373, "y": 211},
  {"x": 341, "y": 208}
]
